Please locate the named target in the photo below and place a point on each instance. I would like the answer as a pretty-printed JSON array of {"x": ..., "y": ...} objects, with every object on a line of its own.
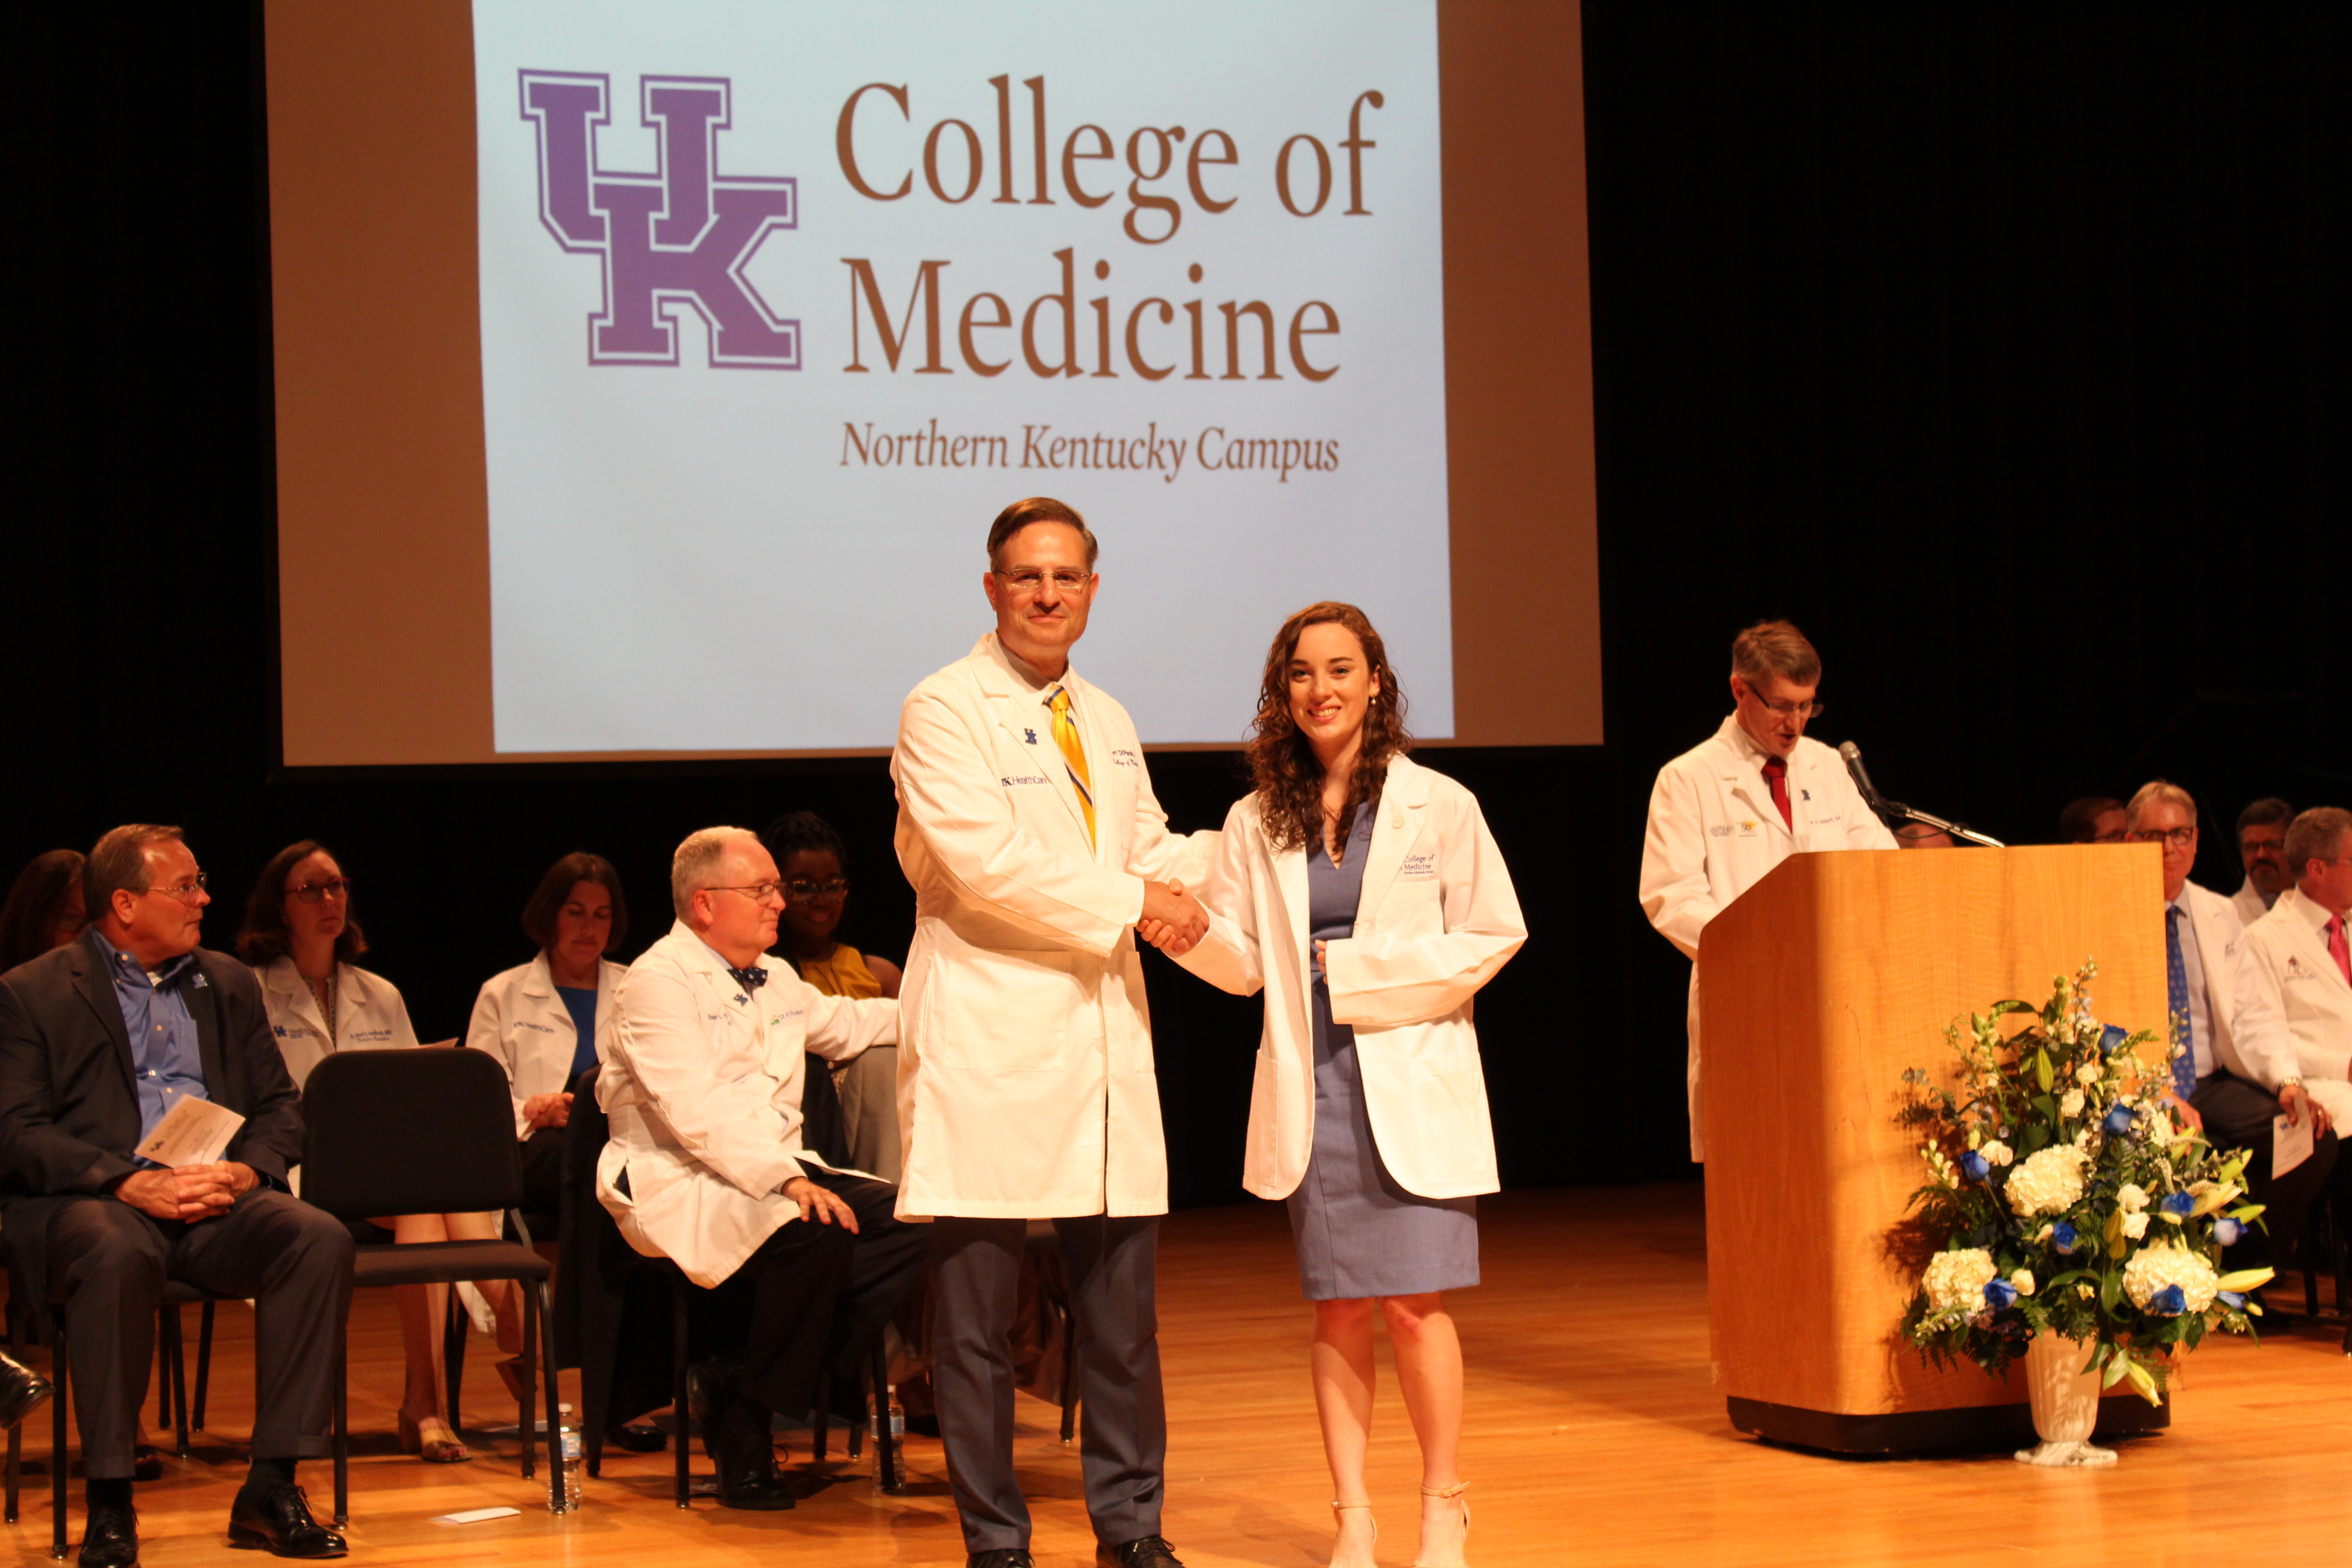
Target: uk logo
[{"x": 680, "y": 235}]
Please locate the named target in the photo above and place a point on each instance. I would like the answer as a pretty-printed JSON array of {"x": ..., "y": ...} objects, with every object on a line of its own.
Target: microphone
[{"x": 1853, "y": 755}]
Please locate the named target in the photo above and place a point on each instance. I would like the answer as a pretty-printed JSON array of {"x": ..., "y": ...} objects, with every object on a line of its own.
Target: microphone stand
[{"x": 1893, "y": 813}]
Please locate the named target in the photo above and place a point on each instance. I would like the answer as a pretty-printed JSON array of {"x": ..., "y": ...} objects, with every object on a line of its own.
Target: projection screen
[{"x": 647, "y": 376}]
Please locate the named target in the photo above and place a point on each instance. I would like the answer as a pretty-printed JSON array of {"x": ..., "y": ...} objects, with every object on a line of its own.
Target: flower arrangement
[{"x": 2064, "y": 1198}]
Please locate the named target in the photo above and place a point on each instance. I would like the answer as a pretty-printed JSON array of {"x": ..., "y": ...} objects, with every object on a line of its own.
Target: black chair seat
[{"x": 446, "y": 1263}]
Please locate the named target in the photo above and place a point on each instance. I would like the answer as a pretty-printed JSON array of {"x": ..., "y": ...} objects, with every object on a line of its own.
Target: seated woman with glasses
[
  {"x": 300, "y": 938},
  {"x": 813, "y": 862}
]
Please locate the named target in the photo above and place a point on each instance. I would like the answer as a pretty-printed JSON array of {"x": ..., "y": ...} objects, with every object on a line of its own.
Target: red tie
[
  {"x": 1776, "y": 773},
  {"x": 2336, "y": 947}
]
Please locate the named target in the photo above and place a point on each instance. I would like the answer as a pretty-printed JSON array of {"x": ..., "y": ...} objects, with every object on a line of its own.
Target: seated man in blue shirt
[{"x": 98, "y": 1038}]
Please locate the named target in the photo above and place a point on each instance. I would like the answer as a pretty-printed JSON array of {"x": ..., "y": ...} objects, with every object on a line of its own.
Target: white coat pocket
[{"x": 999, "y": 1012}]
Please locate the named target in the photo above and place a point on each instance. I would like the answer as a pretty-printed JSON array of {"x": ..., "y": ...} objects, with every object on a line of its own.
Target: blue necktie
[{"x": 2176, "y": 1002}]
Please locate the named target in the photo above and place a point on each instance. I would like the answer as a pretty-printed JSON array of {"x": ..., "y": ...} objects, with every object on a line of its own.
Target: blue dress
[{"x": 1360, "y": 1234}]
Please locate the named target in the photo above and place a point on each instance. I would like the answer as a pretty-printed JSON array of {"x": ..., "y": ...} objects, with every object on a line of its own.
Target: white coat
[
  {"x": 2295, "y": 974},
  {"x": 1025, "y": 1080},
  {"x": 703, "y": 1086},
  {"x": 1714, "y": 832},
  {"x": 2248, "y": 902},
  {"x": 2249, "y": 1034},
  {"x": 519, "y": 1018},
  {"x": 1436, "y": 919},
  {"x": 369, "y": 1015}
]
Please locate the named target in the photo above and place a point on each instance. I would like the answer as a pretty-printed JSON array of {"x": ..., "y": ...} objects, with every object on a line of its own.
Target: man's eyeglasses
[
  {"x": 2179, "y": 837},
  {"x": 1029, "y": 579},
  {"x": 806, "y": 889},
  {"x": 187, "y": 892},
  {"x": 339, "y": 887},
  {"x": 1794, "y": 710},
  {"x": 758, "y": 892}
]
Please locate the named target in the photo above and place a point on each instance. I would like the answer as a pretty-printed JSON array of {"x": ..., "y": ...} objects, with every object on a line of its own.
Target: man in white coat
[
  {"x": 2303, "y": 951},
  {"x": 704, "y": 1164},
  {"x": 2262, "y": 849},
  {"x": 1734, "y": 806},
  {"x": 1027, "y": 826},
  {"x": 2237, "y": 1068}
]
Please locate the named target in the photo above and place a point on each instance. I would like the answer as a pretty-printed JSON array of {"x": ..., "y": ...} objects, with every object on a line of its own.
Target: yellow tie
[{"x": 1074, "y": 752}]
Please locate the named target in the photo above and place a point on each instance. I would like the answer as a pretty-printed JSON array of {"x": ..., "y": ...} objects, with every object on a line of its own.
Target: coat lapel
[
  {"x": 1290, "y": 881},
  {"x": 1023, "y": 717},
  {"x": 98, "y": 991},
  {"x": 2313, "y": 942},
  {"x": 1403, "y": 800},
  {"x": 202, "y": 999}
]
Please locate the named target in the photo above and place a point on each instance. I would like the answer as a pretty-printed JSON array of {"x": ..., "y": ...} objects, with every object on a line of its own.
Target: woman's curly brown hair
[{"x": 1288, "y": 779}]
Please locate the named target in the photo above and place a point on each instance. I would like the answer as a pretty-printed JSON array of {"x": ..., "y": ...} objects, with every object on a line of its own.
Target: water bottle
[
  {"x": 894, "y": 1415},
  {"x": 567, "y": 1452}
]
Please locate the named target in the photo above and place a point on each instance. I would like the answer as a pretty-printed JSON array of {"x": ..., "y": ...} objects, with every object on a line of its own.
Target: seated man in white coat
[
  {"x": 2302, "y": 952},
  {"x": 2237, "y": 1068},
  {"x": 705, "y": 1165},
  {"x": 1740, "y": 803}
]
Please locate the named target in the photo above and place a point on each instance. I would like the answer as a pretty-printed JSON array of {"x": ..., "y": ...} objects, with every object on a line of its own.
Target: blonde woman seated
[
  {"x": 300, "y": 938},
  {"x": 1364, "y": 895}
]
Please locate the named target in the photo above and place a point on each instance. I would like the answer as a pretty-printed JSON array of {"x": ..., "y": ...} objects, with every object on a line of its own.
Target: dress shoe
[
  {"x": 279, "y": 1518},
  {"x": 109, "y": 1537},
  {"x": 636, "y": 1439},
  {"x": 1144, "y": 1552},
  {"x": 1002, "y": 1557},
  {"x": 22, "y": 1390}
]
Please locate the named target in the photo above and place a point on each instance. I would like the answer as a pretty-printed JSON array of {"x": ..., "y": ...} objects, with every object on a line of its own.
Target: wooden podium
[{"x": 1817, "y": 989}]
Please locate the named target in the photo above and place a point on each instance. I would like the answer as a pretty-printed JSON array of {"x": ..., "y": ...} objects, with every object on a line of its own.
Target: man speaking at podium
[{"x": 1751, "y": 796}]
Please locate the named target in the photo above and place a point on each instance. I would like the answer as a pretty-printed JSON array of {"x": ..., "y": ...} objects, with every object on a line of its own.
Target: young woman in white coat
[
  {"x": 300, "y": 938},
  {"x": 1364, "y": 895}
]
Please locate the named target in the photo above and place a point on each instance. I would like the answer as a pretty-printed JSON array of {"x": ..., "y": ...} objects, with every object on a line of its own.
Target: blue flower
[
  {"x": 2178, "y": 1204},
  {"x": 1975, "y": 1167},
  {"x": 2227, "y": 1230},
  {"x": 2062, "y": 1237},
  {"x": 2168, "y": 1302},
  {"x": 2233, "y": 1300},
  {"x": 2000, "y": 1295},
  {"x": 2119, "y": 1120},
  {"x": 2111, "y": 1038}
]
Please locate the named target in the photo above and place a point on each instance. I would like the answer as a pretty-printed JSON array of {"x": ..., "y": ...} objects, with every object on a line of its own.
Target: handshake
[{"x": 1173, "y": 920}]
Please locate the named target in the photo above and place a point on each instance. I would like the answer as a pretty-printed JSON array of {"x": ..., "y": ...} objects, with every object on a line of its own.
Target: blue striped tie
[{"x": 2176, "y": 1002}]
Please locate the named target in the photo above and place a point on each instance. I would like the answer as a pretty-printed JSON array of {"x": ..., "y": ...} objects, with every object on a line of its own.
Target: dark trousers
[
  {"x": 814, "y": 1296},
  {"x": 109, "y": 1261},
  {"x": 542, "y": 1174},
  {"x": 2238, "y": 1116},
  {"x": 975, "y": 1273}
]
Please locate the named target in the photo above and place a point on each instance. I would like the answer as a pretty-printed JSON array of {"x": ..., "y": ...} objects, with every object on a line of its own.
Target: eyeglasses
[
  {"x": 1794, "y": 710},
  {"x": 313, "y": 892},
  {"x": 1029, "y": 579},
  {"x": 805, "y": 888},
  {"x": 758, "y": 892},
  {"x": 2179, "y": 837},
  {"x": 186, "y": 892}
]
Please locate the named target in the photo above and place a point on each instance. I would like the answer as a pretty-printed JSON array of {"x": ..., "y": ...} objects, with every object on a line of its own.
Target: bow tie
[{"x": 749, "y": 979}]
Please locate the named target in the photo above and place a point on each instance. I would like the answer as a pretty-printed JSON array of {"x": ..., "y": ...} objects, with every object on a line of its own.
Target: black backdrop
[{"x": 1998, "y": 350}]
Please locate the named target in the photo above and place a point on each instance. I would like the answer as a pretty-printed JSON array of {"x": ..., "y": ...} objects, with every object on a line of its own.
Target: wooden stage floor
[{"x": 1593, "y": 1436}]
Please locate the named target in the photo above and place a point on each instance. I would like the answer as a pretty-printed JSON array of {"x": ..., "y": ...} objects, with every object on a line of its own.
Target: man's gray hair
[
  {"x": 118, "y": 863},
  {"x": 696, "y": 864},
  {"x": 2149, "y": 793},
  {"x": 2317, "y": 835}
]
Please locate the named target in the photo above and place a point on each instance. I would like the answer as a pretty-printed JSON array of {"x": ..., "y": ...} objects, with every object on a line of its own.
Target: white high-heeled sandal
[{"x": 1456, "y": 1490}]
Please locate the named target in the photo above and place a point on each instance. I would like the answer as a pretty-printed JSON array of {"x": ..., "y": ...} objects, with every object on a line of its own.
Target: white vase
[{"x": 2065, "y": 1401}]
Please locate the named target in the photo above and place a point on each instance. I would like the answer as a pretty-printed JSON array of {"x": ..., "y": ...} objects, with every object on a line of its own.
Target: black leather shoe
[
  {"x": 636, "y": 1439},
  {"x": 1144, "y": 1552},
  {"x": 22, "y": 1391},
  {"x": 110, "y": 1539},
  {"x": 1000, "y": 1557},
  {"x": 279, "y": 1518}
]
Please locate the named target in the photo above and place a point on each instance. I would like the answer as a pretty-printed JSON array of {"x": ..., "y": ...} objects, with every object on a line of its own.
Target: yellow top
[{"x": 843, "y": 975}]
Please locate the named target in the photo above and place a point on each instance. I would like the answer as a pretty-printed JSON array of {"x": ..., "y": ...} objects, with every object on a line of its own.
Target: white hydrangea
[
  {"x": 2152, "y": 1268},
  {"x": 2088, "y": 1072},
  {"x": 2136, "y": 1225},
  {"x": 2070, "y": 1105},
  {"x": 2050, "y": 1182},
  {"x": 1955, "y": 1281}
]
